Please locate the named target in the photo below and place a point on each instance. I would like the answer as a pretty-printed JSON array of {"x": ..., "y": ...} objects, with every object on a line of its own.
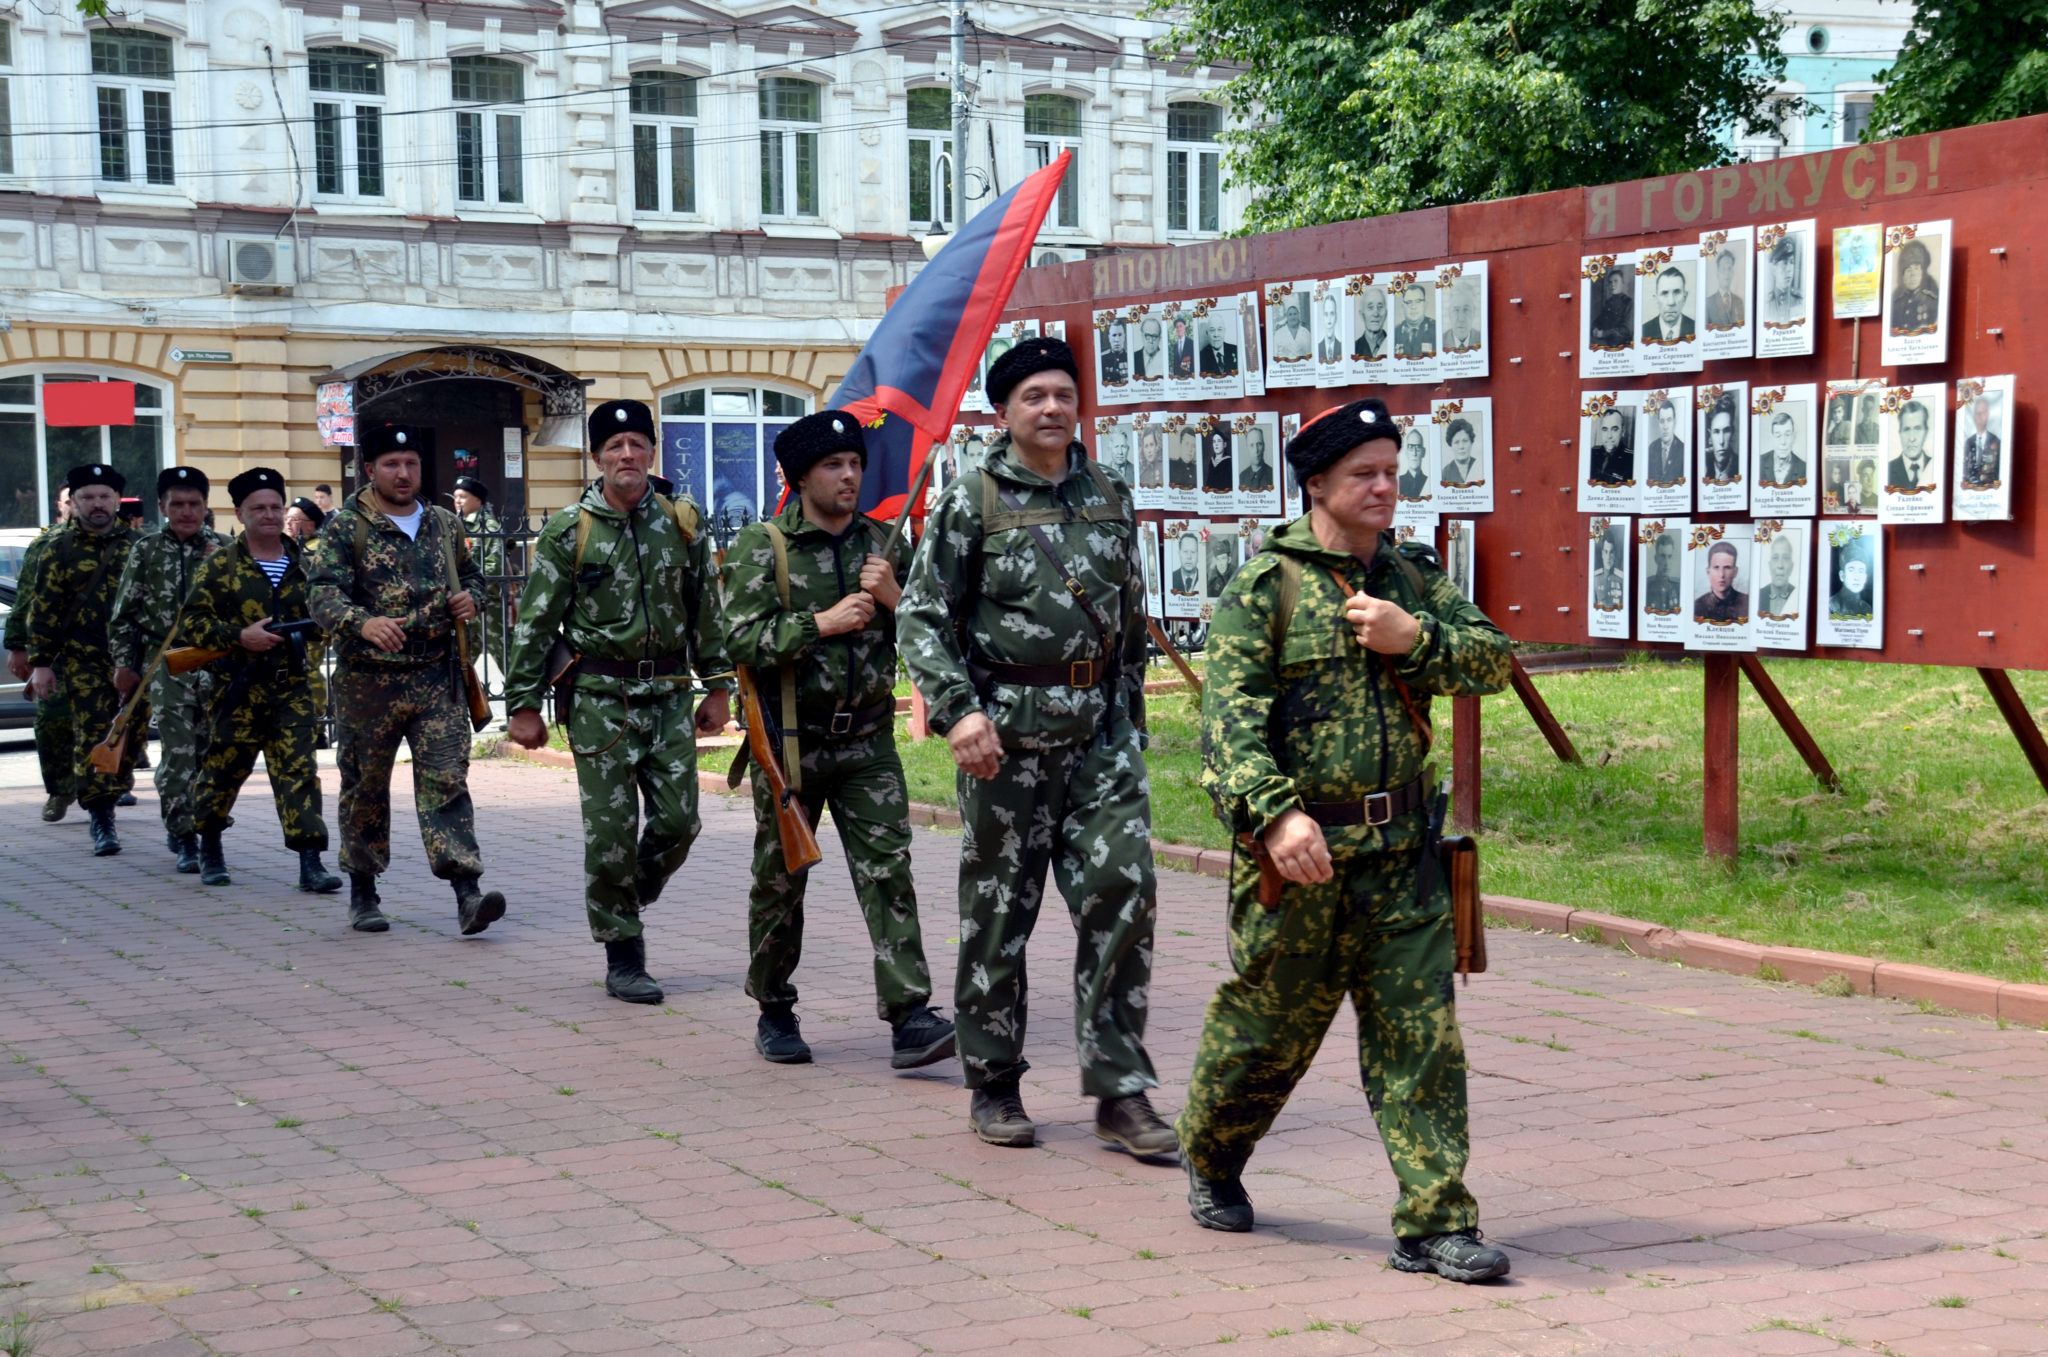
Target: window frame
[
  {"x": 1041, "y": 148},
  {"x": 1864, "y": 94},
  {"x": 673, "y": 415},
  {"x": 6, "y": 98},
  {"x": 1194, "y": 176},
  {"x": 794, "y": 138},
  {"x": 923, "y": 146},
  {"x": 349, "y": 125},
  {"x": 160, "y": 416},
  {"x": 670, "y": 130},
  {"x": 494, "y": 120},
  {"x": 145, "y": 106}
]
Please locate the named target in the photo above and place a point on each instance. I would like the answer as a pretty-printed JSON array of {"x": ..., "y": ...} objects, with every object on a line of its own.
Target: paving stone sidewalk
[{"x": 229, "y": 1125}]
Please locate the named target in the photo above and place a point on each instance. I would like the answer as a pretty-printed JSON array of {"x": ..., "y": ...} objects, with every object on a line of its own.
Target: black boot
[
  {"x": 54, "y": 808},
  {"x": 778, "y": 1038},
  {"x": 626, "y": 974},
  {"x": 314, "y": 878},
  {"x": 213, "y": 865},
  {"x": 188, "y": 854},
  {"x": 363, "y": 914},
  {"x": 105, "y": 843},
  {"x": 476, "y": 909},
  {"x": 172, "y": 838},
  {"x": 125, "y": 799}
]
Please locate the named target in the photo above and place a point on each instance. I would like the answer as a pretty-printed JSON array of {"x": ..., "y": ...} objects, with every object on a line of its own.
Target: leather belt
[
  {"x": 1375, "y": 809},
  {"x": 1079, "y": 674},
  {"x": 632, "y": 669},
  {"x": 855, "y": 722}
]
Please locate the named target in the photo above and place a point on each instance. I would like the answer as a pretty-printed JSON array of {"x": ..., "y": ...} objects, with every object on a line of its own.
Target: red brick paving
[{"x": 1681, "y": 1162}]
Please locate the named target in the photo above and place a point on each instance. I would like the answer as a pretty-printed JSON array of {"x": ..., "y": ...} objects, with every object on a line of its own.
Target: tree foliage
[
  {"x": 1966, "y": 61},
  {"x": 1352, "y": 108}
]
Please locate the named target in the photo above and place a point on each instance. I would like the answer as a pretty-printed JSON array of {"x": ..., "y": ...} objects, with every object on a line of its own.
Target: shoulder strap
[
  {"x": 995, "y": 517},
  {"x": 792, "y": 754},
  {"x": 584, "y": 521},
  {"x": 1423, "y": 732},
  {"x": 683, "y": 512},
  {"x": 1067, "y": 577},
  {"x": 781, "y": 545},
  {"x": 362, "y": 530},
  {"x": 1290, "y": 594},
  {"x": 1410, "y": 573}
]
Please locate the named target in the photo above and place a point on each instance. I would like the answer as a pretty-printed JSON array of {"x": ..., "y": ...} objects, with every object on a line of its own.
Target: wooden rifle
[{"x": 799, "y": 843}]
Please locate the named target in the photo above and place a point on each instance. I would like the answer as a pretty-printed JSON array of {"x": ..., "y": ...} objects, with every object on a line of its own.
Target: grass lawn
[{"x": 1936, "y": 852}]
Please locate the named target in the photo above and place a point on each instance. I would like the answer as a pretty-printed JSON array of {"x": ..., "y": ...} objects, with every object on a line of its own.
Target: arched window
[
  {"x": 1194, "y": 194},
  {"x": 348, "y": 126},
  {"x": 131, "y": 73},
  {"x": 790, "y": 114},
  {"x": 929, "y": 114},
  {"x": 487, "y": 137},
  {"x": 39, "y": 444},
  {"x": 1052, "y": 123},
  {"x": 718, "y": 446},
  {"x": 663, "y": 105}
]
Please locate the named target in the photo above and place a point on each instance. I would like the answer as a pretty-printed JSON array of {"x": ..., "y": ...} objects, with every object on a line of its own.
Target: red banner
[{"x": 71, "y": 405}]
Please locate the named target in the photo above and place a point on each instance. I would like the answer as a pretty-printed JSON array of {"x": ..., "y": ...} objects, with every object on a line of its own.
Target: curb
[{"x": 1977, "y": 995}]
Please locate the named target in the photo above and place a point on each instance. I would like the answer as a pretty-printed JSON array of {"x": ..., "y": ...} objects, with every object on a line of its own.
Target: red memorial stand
[{"x": 1962, "y": 594}]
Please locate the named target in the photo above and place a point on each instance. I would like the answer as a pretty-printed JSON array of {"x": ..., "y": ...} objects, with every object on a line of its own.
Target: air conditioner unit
[
  {"x": 264, "y": 265},
  {"x": 1042, "y": 255}
]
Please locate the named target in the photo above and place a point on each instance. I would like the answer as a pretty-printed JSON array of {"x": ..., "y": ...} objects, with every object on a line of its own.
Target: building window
[
  {"x": 789, "y": 147},
  {"x": 487, "y": 139},
  {"x": 663, "y": 105},
  {"x": 6, "y": 100},
  {"x": 34, "y": 455},
  {"x": 132, "y": 93},
  {"x": 1769, "y": 139},
  {"x": 1194, "y": 177},
  {"x": 1052, "y": 123},
  {"x": 1854, "y": 119},
  {"x": 930, "y": 112},
  {"x": 718, "y": 446},
  {"x": 348, "y": 131}
]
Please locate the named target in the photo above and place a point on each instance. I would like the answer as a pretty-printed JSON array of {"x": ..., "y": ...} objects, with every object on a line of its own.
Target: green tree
[
  {"x": 1966, "y": 61},
  {"x": 1353, "y": 108}
]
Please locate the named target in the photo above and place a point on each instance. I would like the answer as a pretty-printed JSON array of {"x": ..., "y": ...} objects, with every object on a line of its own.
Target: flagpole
[
  {"x": 959, "y": 115},
  {"x": 924, "y": 473}
]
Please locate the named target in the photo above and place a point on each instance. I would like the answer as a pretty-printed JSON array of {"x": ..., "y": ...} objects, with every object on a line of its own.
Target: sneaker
[
  {"x": 779, "y": 1040},
  {"x": 997, "y": 1115},
  {"x": 1130, "y": 1124},
  {"x": 922, "y": 1038},
  {"x": 1463, "y": 1256},
  {"x": 1218, "y": 1203}
]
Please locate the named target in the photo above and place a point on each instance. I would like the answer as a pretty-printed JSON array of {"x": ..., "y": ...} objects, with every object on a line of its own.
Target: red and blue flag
[{"x": 906, "y": 385}]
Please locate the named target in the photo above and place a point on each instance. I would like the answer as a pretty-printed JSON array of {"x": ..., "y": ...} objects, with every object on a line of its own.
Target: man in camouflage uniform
[
  {"x": 1315, "y": 739},
  {"x": 380, "y": 574},
  {"x": 69, "y": 611},
  {"x": 625, "y": 578},
  {"x": 53, "y": 713},
  {"x": 153, "y": 586},
  {"x": 484, "y": 535},
  {"x": 1038, "y": 687},
  {"x": 822, "y": 640},
  {"x": 265, "y": 703}
]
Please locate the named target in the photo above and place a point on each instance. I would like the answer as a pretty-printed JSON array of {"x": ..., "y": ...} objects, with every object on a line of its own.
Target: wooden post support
[
  {"x": 1180, "y": 661},
  {"x": 2022, "y": 722},
  {"x": 1525, "y": 688},
  {"x": 1723, "y": 749},
  {"x": 1465, "y": 765},
  {"x": 1795, "y": 729},
  {"x": 917, "y": 726}
]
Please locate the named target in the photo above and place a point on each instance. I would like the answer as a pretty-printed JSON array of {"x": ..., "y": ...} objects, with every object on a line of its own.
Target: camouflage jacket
[
  {"x": 852, "y": 670},
  {"x": 156, "y": 580},
  {"x": 73, "y": 598},
  {"x": 641, "y": 592},
  {"x": 1321, "y": 719},
  {"x": 1013, "y": 607},
  {"x": 16, "y": 635},
  {"x": 397, "y": 577},
  {"x": 484, "y": 536},
  {"x": 229, "y": 592}
]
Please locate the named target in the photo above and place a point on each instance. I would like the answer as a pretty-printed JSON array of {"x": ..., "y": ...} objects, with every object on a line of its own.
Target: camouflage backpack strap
[
  {"x": 996, "y": 517},
  {"x": 792, "y": 768},
  {"x": 1290, "y": 594},
  {"x": 684, "y": 512},
  {"x": 585, "y": 520}
]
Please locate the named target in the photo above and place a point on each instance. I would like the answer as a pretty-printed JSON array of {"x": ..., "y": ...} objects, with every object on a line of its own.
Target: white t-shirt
[{"x": 410, "y": 525}]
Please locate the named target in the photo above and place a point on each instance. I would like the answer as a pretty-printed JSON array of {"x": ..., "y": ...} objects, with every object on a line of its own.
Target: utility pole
[{"x": 959, "y": 114}]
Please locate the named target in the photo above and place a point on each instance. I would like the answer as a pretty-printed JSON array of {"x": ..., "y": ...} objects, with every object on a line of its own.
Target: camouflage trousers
[
  {"x": 1085, "y": 811},
  {"x": 85, "y": 682},
  {"x": 53, "y": 744},
  {"x": 376, "y": 710},
  {"x": 630, "y": 753},
  {"x": 862, "y": 782},
  {"x": 1364, "y": 934},
  {"x": 180, "y": 702},
  {"x": 280, "y": 722}
]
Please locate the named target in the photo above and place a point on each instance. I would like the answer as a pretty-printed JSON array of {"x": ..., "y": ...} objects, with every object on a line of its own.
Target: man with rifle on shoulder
[
  {"x": 619, "y": 607},
  {"x": 1323, "y": 655},
  {"x": 250, "y": 607},
  {"x": 811, "y": 609}
]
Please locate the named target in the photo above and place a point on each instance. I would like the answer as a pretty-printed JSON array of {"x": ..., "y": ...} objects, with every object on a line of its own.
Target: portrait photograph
[
  {"x": 1664, "y": 435},
  {"x": 999, "y": 343},
  {"x": 1848, "y": 487},
  {"x": 1183, "y": 463},
  {"x": 1179, "y": 319},
  {"x": 1217, "y": 465},
  {"x": 1184, "y": 565},
  {"x": 1252, "y": 534},
  {"x": 1463, "y": 443},
  {"x": 1416, "y": 471},
  {"x": 1155, "y": 583},
  {"x": 1607, "y": 315},
  {"x": 1329, "y": 318},
  {"x": 1850, "y": 566},
  {"x": 1915, "y": 455},
  {"x": 1149, "y": 442},
  {"x": 1411, "y": 306},
  {"x": 1722, "y": 420},
  {"x": 1784, "y": 286},
  {"x": 1291, "y": 505},
  {"x": 1608, "y": 597},
  {"x": 1610, "y": 482},
  {"x": 1668, "y": 309},
  {"x": 1149, "y": 360},
  {"x": 1461, "y": 300},
  {"x": 1113, "y": 449},
  {"x": 1219, "y": 562},
  {"x": 1256, "y": 443},
  {"x": 1916, "y": 304},
  {"x": 1983, "y": 462},
  {"x": 1727, "y": 311},
  {"x": 1784, "y": 558},
  {"x": 1783, "y": 480},
  {"x": 1458, "y": 555},
  {"x": 1661, "y": 597},
  {"x": 1372, "y": 333},
  {"x": 1859, "y": 268},
  {"x": 1719, "y": 579},
  {"x": 1219, "y": 352},
  {"x": 1290, "y": 338},
  {"x": 1112, "y": 359},
  {"x": 1252, "y": 370}
]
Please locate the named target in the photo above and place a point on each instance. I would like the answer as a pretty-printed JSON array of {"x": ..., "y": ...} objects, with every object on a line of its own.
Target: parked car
[{"x": 17, "y": 709}]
